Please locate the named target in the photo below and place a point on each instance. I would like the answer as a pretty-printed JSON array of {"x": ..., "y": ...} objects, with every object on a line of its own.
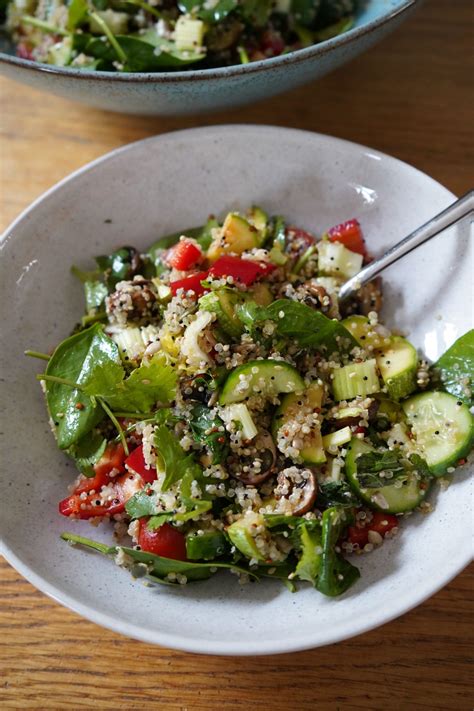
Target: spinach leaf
[
  {"x": 214, "y": 14},
  {"x": 95, "y": 293},
  {"x": 336, "y": 574},
  {"x": 144, "y": 53},
  {"x": 309, "y": 561},
  {"x": 87, "y": 452},
  {"x": 305, "y": 11},
  {"x": 336, "y": 493},
  {"x": 299, "y": 324},
  {"x": 83, "y": 275},
  {"x": 176, "y": 462},
  {"x": 205, "y": 429},
  {"x": 206, "y": 546},
  {"x": 147, "y": 384},
  {"x": 256, "y": 12},
  {"x": 73, "y": 412},
  {"x": 123, "y": 264},
  {"x": 455, "y": 368}
]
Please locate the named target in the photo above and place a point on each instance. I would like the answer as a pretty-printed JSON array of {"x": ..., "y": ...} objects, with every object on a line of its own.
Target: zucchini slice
[{"x": 266, "y": 378}]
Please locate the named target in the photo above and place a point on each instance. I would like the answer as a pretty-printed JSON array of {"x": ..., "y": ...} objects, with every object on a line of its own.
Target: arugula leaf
[
  {"x": 87, "y": 452},
  {"x": 156, "y": 567},
  {"x": 336, "y": 574},
  {"x": 176, "y": 462},
  {"x": 256, "y": 12},
  {"x": 75, "y": 359},
  {"x": 205, "y": 429},
  {"x": 299, "y": 324},
  {"x": 455, "y": 369}
]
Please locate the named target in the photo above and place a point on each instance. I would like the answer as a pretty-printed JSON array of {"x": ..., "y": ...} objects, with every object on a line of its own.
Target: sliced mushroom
[
  {"x": 298, "y": 488},
  {"x": 257, "y": 466},
  {"x": 132, "y": 301}
]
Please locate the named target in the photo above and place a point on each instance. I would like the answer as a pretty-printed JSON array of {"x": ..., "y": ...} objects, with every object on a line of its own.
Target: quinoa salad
[
  {"x": 166, "y": 35},
  {"x": 225, "y": 410}
]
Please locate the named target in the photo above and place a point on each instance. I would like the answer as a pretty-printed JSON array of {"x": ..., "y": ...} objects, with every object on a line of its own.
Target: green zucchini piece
[
  {"x": 364, "y": 332},
  {"x": 443, "y": 428},
  {"x": 266, "y": 378},
  {"x": 241, "y": 535},
  {"x": 313, "y": 452},
  {"x": 388, "y": 499},
  {"x": 355, "y": 379},
  {"x": 398, "y": 365}
]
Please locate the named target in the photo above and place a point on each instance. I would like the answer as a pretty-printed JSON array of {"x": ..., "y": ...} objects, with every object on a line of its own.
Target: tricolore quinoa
[{"x": 226, "y": 411}]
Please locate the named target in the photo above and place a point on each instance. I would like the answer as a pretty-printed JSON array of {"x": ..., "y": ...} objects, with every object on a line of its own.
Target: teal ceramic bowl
[{"x": 190, "y": 92}]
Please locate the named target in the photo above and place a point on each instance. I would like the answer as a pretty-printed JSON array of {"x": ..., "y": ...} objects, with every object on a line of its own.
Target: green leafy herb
[
  {"x": 336, "y": 574},
  {"x": 176, "y": 463},
  {"x": 156, "y": 522},
  {"x": 87, "y": 452},
  {"x": 300, "y": 324},
  {"x": 147, "y": 384},
  {"x": 206, "y": 430},
  {"x": 77, "y": 13},
  {"x": 123, "y": 264},
  {"x": 336, "y": 493},
  {"x": 455, "y": 368},
  {"x": 379, "y": 469},
  {"x": 143, "y": 503}
]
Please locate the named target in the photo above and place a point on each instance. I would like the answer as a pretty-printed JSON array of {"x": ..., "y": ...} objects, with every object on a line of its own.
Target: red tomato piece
[
  {"x": 272, "y": 43},
  {"x": 190, "y": 283},
  {"x": 24, "y": 51},
  {"x": 382, "y": 522},
  {"x": 112, "y": 458},
  {"x": 350, "y": 235},
  {"x": 136, "y": 462},
  {"x": 297, "y": 234},
  {"x": 184, "y": 255},
  {"x": 359, "y": 536},
  {"x": 166, "y": 541},
  {"x": 243, "y": 270}
]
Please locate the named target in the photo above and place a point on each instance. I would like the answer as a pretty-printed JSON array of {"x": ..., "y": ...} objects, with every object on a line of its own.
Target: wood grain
[{"x": 411, "y": 97}]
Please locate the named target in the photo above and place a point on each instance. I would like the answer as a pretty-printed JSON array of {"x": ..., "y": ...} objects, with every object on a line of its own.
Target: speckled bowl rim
[
  {"x": 202, "y": 75},
  {"x": 403, "y": 604}
]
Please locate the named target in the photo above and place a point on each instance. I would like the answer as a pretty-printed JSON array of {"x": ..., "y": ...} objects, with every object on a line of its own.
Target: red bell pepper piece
[
  {"x": 166, "y": 541},
  {"x": 190, "y": 283},
  {"x": 350, "y": 235},
  {"x": 243, "y": 270},
  {"x": 184, "y": 255},
  {"x": 136, "y": 462}
]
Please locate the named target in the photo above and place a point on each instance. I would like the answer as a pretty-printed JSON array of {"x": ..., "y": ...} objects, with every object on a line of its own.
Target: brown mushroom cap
[
  {"x": 298, "y": 487},
  {"x": 263, "y": 451}
]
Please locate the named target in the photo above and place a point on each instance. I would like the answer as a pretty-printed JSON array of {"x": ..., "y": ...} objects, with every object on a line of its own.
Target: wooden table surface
[{"x": 411, "y": 96}]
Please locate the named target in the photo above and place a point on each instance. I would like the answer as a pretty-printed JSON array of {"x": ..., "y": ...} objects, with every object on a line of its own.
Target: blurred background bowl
[{"x": 195, "y": 91}]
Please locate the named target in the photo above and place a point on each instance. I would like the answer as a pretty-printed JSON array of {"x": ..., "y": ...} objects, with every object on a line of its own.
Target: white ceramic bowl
[{"x": 158, "y": 186}]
